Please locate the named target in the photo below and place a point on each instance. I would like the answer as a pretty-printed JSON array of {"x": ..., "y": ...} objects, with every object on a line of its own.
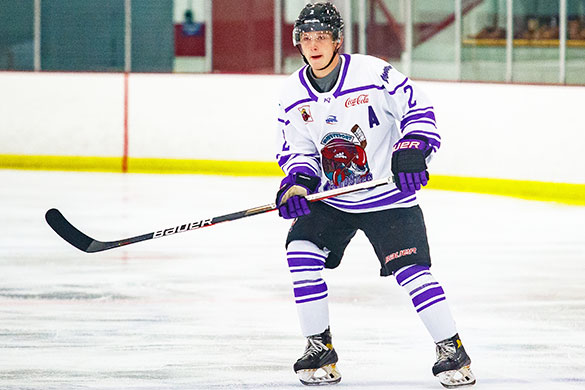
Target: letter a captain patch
[{"x": 374, "y": 121}]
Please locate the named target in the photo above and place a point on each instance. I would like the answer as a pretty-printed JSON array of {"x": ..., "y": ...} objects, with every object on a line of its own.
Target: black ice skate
[
  {"x": 452, "y": 366},
  {"x": 319, "y": 355}
]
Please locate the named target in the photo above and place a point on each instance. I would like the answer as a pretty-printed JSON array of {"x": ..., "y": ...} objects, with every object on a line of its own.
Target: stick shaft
[{"x": 87, "y": 244}]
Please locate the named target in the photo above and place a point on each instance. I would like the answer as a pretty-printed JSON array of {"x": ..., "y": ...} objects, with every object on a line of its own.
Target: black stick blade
[{"x": 68, "y": 232}]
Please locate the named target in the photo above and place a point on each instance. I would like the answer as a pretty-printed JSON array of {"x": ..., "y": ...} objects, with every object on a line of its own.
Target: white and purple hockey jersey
[{"x": 346, "y": 135}]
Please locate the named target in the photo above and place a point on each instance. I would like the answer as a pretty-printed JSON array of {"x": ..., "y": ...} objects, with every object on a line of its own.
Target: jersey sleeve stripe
[
  {"x": 419, "y": 123},
  {"x": 299, "y": 166},
  {"x": 425, "y": 115},
  {"x": 427, "y": 134},
  {"x": 283, "y": 160},
  {"x": 421, "y": 109}
]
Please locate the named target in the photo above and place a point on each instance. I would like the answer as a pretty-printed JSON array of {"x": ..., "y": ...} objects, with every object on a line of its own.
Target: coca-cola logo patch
[{"x": 354, "y": 101}]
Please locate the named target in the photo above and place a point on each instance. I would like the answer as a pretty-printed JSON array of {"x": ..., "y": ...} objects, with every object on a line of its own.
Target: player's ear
[{"x": 340, "y": 43}]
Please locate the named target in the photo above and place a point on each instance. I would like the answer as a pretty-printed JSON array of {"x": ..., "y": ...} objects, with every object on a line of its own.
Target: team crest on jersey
[
  {"x": 344, "y": 160},
  {"x": 306, "y": 113},
  {"x": 331, "y": 120},
  {"x": 331, "y": 136}
]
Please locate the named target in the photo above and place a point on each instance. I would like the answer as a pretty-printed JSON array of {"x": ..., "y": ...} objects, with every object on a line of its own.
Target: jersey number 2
[{"x": 411, "y": 101}]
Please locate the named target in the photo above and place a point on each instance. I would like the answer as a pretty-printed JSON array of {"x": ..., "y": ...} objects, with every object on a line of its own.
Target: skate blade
[
  {"x": 457, "y": 378},
  {"x": 312, "y": 378}
]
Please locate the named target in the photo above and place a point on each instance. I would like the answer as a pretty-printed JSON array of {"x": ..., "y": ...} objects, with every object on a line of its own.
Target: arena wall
[{"x": 498, "y": 134}]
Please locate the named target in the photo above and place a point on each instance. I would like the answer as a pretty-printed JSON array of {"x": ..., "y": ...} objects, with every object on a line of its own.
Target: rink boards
[{"x": 517, "y": 140}]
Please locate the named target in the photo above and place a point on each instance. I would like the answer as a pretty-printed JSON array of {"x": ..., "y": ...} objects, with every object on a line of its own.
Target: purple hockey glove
[
  {"x": 290, "y": 198},
  {"x": 408, "y": 163}
]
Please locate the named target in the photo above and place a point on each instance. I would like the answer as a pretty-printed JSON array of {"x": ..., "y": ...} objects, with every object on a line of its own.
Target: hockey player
[{"x": 345, "y": 119}]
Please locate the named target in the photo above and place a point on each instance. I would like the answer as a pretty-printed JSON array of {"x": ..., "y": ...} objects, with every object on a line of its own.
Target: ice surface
[{"x": 213, "y": 308}]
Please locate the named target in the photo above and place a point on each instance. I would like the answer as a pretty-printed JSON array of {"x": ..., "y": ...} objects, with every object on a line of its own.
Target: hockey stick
[{"x": 81, "y": 241}]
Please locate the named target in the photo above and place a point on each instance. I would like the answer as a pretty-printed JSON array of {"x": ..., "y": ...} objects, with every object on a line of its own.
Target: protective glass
[
  {"x": 320, "y": 37},
  {"x": 314, "y": 26}
]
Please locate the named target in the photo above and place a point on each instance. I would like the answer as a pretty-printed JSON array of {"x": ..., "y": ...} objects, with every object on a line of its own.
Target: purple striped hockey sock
[
  {"x": 305, "y": 263},
  {"x": 428, "y": 299}
]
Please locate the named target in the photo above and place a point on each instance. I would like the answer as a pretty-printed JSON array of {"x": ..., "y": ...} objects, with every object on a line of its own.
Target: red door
[{"x": 243, "y": 36}]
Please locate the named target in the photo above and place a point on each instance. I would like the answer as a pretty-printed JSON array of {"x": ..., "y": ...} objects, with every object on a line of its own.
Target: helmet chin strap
[
  {"x": 302, "y": 55},
  {"x": 332, "y": 58}
]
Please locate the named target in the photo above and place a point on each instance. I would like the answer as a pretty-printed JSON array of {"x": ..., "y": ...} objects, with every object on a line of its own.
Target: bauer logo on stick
[{"x": 182, "y": 228}]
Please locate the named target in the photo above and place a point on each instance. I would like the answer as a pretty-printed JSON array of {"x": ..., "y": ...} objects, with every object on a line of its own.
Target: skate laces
[
  {"x": 446, "y": 350},
  {"x": 314, "y": 346}
]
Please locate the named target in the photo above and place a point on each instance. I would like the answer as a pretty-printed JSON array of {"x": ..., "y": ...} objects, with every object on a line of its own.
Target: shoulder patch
[
  {"x": 385, "y": 72},
  {"x": 306, "y": 113}
]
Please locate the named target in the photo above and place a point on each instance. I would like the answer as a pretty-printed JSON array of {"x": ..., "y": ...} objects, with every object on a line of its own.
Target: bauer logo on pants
[{"x": 403, "y": 252}]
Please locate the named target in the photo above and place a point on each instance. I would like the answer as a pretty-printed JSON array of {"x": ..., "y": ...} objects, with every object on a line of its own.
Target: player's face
[{"x": 318, "y": 47}]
